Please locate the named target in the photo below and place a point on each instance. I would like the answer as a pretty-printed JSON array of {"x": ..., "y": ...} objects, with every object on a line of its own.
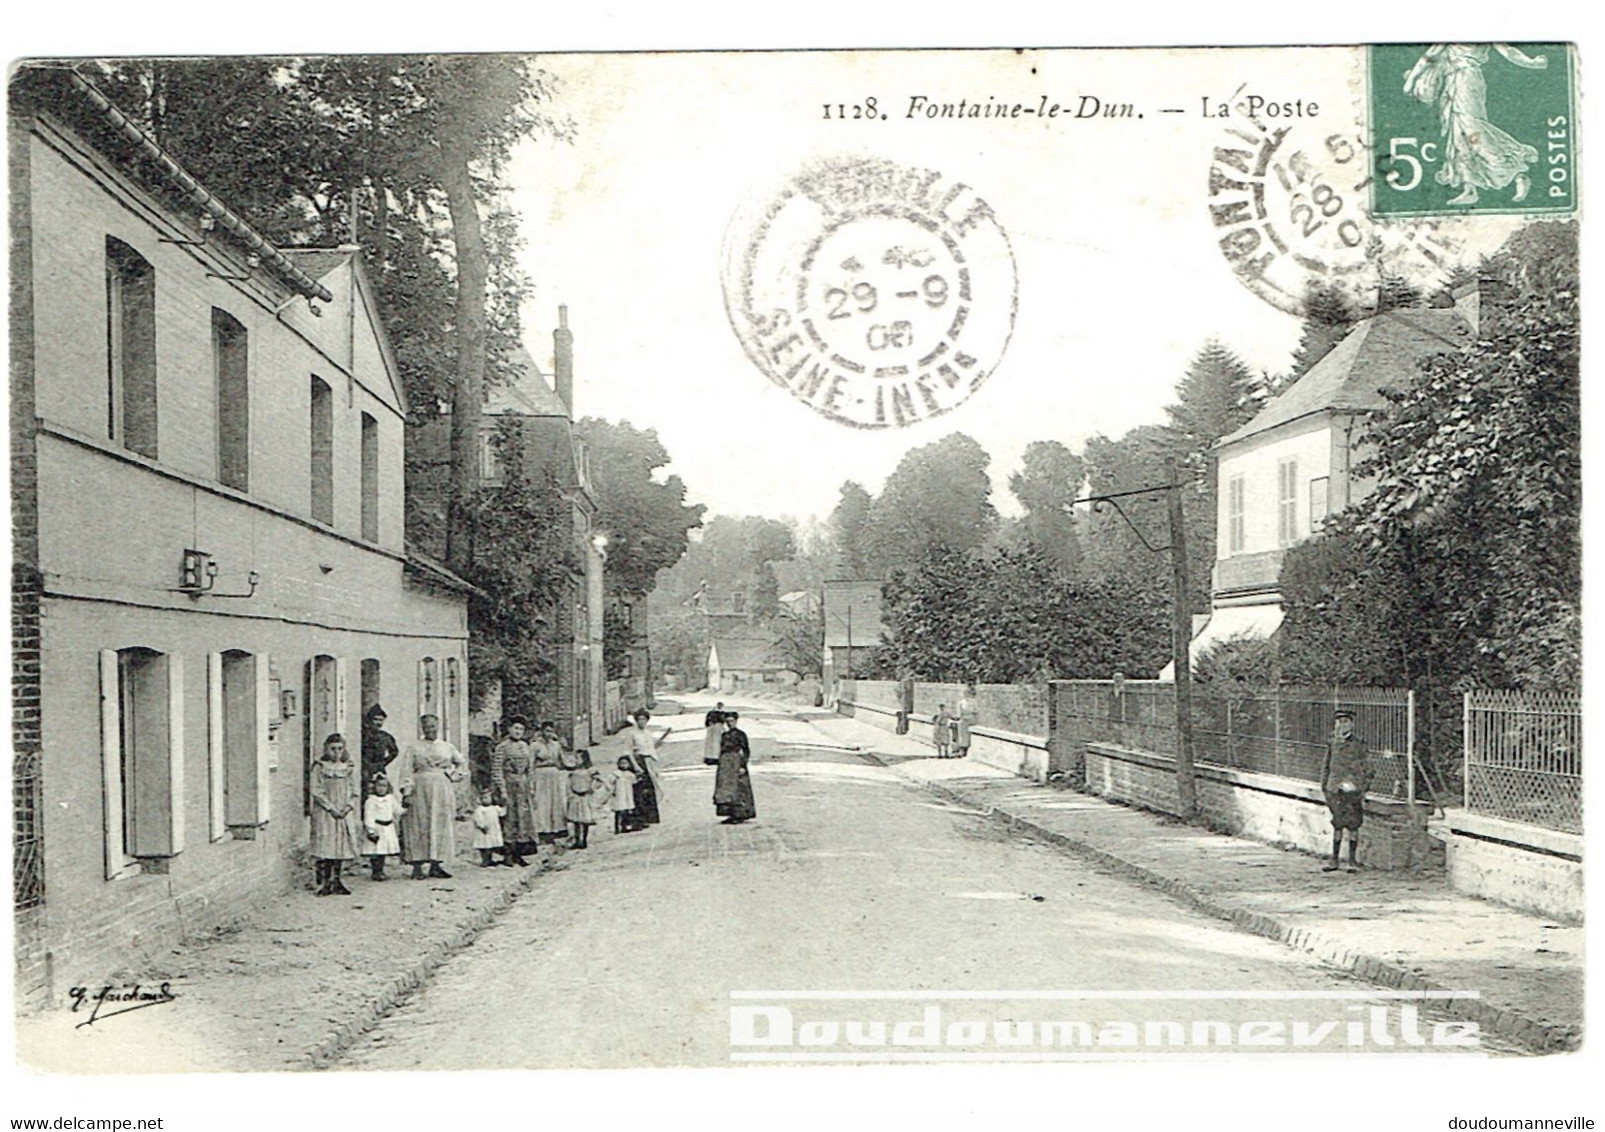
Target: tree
[
  {"x": 799, "y": 644},
  {"x": 1328, "y": 319},
  {"x": 1048, "y": 482},
  {"x": 523, "y": 569},
  {"x": 1479, "y": 471},
  {"x": 936, "y": 497},
  {"x": 647, "y": 521},
  {"x": 1462, "y": 567},
  {"x": 849, "y": 526}
]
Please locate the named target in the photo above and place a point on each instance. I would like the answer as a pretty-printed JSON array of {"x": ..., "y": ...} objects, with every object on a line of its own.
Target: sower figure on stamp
[{"x": 1345, "y": 777}]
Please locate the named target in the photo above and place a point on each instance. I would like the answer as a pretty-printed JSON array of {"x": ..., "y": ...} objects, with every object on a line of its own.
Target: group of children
[
  {"x": 590, "y": 795},
  {"x": 338, "y": 835}
]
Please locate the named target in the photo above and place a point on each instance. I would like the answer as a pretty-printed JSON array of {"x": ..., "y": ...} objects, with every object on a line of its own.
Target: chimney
[{"x": 563, "y": 360}]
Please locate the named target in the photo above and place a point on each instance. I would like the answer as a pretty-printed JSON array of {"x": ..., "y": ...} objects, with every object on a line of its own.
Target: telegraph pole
[
  {"x": 1181, "y": 621},
  {"x": 1181, "y": 637}
]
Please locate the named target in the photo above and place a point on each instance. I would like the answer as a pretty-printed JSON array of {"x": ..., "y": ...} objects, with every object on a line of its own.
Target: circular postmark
[
  {"x": 878, "y": 294},
  {"x": 1290, "y": 208}
]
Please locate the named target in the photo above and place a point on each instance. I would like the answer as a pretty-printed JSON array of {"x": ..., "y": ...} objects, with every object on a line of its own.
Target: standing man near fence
[{"x": 1345, "y": 777}]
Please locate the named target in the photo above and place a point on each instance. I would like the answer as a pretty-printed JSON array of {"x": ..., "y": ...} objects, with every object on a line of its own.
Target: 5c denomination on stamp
[{"x": 878, "y": 294}]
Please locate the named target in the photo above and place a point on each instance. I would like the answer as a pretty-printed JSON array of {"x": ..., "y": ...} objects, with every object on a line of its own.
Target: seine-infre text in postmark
[{"x": 878, "y": 294}]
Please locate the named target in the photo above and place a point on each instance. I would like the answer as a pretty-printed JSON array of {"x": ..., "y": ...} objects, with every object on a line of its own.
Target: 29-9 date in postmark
[{"x": 878, "y": 294}]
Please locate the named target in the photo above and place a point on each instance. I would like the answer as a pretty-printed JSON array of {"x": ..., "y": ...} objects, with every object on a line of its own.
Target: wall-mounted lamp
[{"x": 198, "y": 576}]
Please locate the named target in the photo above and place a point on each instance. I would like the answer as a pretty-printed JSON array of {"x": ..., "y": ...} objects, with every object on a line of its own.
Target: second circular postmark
[{"x": 878, "y": 294}]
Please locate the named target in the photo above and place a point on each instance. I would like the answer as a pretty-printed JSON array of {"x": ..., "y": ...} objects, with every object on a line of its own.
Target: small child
[
  {"x": 623, "y": 793},
  {"x": 380, "y": 814},
  {"x": 583, "y": 784},
  {"x": 487, "y": 819}
]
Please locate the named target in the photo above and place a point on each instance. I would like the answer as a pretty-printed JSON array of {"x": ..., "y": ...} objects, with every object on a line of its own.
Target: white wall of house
[{"x": 1307, "y": 446}]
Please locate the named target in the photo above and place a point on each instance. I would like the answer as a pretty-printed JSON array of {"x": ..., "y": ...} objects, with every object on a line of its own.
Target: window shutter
[
  {"x": 264, "y": 738},
  {"x": 111, "y": 756},
  {"x": 175, "y": 752},
  {"x": 217, "y": 822}
]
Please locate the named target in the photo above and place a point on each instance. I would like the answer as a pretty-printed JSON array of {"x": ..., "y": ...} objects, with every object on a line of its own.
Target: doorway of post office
[{"x": 325, "y": 701}]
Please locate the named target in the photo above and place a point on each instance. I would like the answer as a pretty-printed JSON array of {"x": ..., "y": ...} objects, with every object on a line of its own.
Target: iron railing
[
  {"x": 1280, "y": 730},
  {"x": 1524, "y": 757}
]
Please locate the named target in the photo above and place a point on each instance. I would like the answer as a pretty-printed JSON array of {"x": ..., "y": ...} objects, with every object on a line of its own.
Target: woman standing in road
[
  {"x": 430, "y": 769},
  {"x": 644, "y": 756},
  {"x": 550, "y": 785},
  {"x": 732, "y": 785},
  {"x": 512, "y": 779}
]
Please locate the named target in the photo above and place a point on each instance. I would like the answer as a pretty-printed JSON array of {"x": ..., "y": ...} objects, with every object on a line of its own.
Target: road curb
[
  {"x": 1544, "y": 1037},
  {"x": 341, "y": 1037}
]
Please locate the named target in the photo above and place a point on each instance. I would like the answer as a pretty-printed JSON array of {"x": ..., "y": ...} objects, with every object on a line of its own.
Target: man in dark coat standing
[{"x": 1345, "y": 777}]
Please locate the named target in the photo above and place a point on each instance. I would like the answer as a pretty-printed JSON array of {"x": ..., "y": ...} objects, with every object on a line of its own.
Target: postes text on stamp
[{"x": 878, "y": 294}]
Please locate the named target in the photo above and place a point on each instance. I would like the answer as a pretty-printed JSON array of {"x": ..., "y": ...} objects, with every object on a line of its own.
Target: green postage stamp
[{"x": 1485, "y": 127}]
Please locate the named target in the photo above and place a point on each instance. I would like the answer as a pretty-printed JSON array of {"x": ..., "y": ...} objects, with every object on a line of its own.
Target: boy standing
[{"x": 1345, "y": 777}]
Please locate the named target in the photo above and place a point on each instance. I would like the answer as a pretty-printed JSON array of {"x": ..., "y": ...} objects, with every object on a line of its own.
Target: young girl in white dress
[
  {"x": 487, "y": 819},
  {"x": 380, "y": 814},
  {"x": 623, "y": 792}
]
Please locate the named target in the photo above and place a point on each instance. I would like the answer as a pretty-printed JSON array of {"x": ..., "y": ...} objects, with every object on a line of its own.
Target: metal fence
[
  {"x": 1282, "y": 730},
  {"x": 1524, "y": 757}
]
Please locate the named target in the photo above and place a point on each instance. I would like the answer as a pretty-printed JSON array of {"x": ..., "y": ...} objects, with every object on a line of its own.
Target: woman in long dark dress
[
  {"x": 512, "y": 779},
  {"x": 644, "y": 757},
  {"x": 732, "y": 785},
  {"x": 379, "y": 748}
]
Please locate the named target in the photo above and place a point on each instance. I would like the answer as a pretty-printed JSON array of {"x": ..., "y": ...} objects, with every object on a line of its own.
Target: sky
[{"x": 1120, "y": 279}]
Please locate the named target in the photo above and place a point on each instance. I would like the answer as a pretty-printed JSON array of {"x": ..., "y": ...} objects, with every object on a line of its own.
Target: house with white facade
[{"x": 1284, "y": 472}]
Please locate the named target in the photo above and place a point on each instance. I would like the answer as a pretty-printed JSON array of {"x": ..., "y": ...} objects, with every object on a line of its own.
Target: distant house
[
  {"x": 1292, "y": 465},
  {"x": 543, "y": 412},
  {"x": 801, "y": 604},
  {"x": 852, "y": 616},
  {"x": 211, "y": 572},
  {"x": 736, "y": 663}
]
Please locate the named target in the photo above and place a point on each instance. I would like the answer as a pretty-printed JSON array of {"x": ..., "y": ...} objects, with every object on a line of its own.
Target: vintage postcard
[{"x": 741, "y": 560}]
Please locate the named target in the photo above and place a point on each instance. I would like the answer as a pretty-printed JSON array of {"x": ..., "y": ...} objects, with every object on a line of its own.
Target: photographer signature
[{"x": 109, "y": 1001}]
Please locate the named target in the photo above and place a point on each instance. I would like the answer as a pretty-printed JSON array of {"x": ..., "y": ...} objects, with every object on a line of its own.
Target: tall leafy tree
[
  {"x": 646, "y": 519},
  {"x": 1048, "y": 482},
  {"x": 849, "y": 527},
  {"x": 938, "y": 496}
]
